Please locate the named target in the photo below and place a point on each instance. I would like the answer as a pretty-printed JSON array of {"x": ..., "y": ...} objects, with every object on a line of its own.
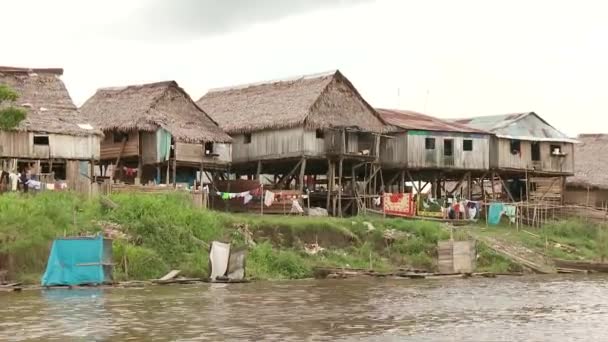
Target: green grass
[{"x": 165, "y": 232}]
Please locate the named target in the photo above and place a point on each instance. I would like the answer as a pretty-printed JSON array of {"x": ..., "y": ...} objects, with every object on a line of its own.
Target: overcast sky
[{"x": 445, "y": 58}]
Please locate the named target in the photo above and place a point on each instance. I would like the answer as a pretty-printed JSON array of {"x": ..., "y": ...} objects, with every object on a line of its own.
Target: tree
[{"x": 10, "y": 116}]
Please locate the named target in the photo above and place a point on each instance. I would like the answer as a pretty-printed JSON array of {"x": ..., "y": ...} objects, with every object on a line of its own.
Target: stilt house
[
  {"x": 526, "y": 147},
  {"x": 156, "y": 133},
  {"x": 317, "y": 124},
  {"x": 589, "y": 185},
  {"x": 425, "y": 148},
  {"x": 53, "y": 137}
]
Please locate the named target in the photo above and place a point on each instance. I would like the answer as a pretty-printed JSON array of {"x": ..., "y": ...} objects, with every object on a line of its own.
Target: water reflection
[{"x": 514, "y": 309}]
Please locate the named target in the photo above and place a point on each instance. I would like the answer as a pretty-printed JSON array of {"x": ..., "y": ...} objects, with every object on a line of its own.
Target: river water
[{"x": 535, "y": 308}]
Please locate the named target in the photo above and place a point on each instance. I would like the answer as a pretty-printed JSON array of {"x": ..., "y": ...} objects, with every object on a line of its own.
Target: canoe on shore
[{"x": 581, "y": 265}]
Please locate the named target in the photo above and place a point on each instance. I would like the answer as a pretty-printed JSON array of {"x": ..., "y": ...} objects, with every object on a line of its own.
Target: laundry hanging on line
[{"x": 495, "y": 212}]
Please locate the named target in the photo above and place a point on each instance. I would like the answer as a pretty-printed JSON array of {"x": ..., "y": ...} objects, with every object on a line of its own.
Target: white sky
[{"x": 445, "y": 58}]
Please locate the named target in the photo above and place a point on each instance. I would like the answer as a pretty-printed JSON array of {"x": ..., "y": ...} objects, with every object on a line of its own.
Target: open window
[
  {"x": 208, "y": 148},
  {"x": 41, "y": 140},
  {"x": 467, "y": 145},
  {"x": 515, "y": 147},
  {"x": 448, "y": 147},
  {"x": 119, "y": 136},
  {"x": 320, "y": 134},
  {"x": 247, "y": 139},
  {"x": 429, "y": 143},
  {"x": 556, "y": 150},
  {"x": 535, "y": 151}
]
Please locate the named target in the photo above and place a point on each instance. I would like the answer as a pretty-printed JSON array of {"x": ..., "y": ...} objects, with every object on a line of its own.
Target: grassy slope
[
  {"x": 589, "y": 239},
  {"x": 165, "y": 233}
]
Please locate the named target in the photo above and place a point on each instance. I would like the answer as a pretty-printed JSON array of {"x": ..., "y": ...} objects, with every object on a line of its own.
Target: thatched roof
[
  {"x": 410, "y": 120},
  {"x": 315, "y": 101},
  {"x": 149, "y": 107},
  {"x": 591, "y": 162},
  {"x": 522, "y": 126},
  {"x": 46, "y": 100}
]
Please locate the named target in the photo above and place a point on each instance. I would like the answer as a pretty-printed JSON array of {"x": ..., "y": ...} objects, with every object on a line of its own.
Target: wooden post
[
  {"x": 259, "y": 171},
  {"x": 168, "y": 167},
  {"x": 492, "y": 181},
  {"x": 201, "y": 170},
  {"x": 174, "y": 172},
  {"x": 402, "y": 181},
  {"x": 340, "y": 186},
  {"x": 328, "y": 183},
  {"x": 302, "y": 173}
]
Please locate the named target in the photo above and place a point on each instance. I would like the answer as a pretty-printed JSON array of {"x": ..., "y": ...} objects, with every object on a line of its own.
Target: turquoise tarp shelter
[{"x": 79, "y": 261}]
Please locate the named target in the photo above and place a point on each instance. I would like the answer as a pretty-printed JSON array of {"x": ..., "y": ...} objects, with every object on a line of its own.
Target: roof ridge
[
  {"x": 20, "y": 70},
  {"x": 273, "y": 81},
  {"x": 143, "y": 85}
]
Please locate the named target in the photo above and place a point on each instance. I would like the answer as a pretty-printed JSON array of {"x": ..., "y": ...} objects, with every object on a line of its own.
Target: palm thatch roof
[
  {"x": 522, "y": 126},
  {"x": 46, "y": 100},
  {"x": 591, "y": 164},
  {"x": 317, "y": 101},
  {"x": 410, "y": 120},
  {"x": 149, "y": 107}
]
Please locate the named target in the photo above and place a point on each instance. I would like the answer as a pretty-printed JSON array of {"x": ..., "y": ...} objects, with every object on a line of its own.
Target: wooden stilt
[
  {"x": 174, "y": 172},
  {"x": 329, "y": 164},
  {"x": 340, "y": 186},
  {"x": 302, "y": 173},
  {"x": 259, "y": 171}
]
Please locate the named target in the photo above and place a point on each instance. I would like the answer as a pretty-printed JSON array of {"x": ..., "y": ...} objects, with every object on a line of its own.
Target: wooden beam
[
  {"x": 459, "y": 183},
  {"x": 174, "y": 172},
  {"x": 288, "y": 175},
  {"x": 504, "y": 185},
  {"x": 402, "y": 181},
  {"x": 122, "y": 150},
  {"x": 409, "y": 176},
  {"x": 394, "y": 178},
  {"x": 329, "y": 165}
]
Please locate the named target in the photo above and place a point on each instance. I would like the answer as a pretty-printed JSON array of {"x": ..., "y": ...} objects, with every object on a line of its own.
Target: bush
[{"x": 264, "y": 262}]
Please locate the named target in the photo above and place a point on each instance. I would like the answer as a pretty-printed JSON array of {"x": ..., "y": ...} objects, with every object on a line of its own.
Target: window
[
  {"x": 429, "y": 143},
  {"x": 515, "y": 147},
  {"x": 320, "y": 134},
  {"x": 535, "y": 151},
  {"x": 119, "y": 136},
  {"x": 208, "y": 148},
  {"x": 556, "y": 150},
  {"x": 41, "y": 140},
  {"x": 247, "y": 138},
  {"x": 467, "y": 145},
  {"x": 448, "y": 147}
]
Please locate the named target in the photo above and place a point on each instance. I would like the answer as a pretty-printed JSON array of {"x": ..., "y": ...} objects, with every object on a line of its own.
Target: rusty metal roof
[
  {"x": 411, "y": 120},
  {"x": 522, "y": 126}
]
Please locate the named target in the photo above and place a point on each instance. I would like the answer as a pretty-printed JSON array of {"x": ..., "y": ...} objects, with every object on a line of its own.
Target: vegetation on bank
[{"x": 157, "y": 233}]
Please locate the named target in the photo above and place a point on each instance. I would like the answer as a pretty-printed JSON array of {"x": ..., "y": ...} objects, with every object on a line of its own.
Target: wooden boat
[{"x": 581, "y": 265}]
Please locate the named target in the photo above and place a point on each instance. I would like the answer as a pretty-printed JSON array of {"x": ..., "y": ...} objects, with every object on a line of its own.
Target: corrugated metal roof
[
  {"x": 411, "y": 120},
  {"x": 522, "y": 126}
]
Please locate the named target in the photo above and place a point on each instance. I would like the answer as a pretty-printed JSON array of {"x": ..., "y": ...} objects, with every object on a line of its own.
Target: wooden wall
[
  {"x": 21, "y": 145},
  {"x": 276, "y": 144},
  {"x": 193, "y": 152},
  {"x": 420, "y": 157},
  {"x": 149, "y": 153},
  {"x": 595, "y": 197},
  {"x": 548, "y": 162},
  {"x": 111, "y": 149},
  {"x": 393, "y": 151}
]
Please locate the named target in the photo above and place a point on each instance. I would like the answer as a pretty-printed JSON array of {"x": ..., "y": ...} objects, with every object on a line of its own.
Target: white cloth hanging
[
  {"x": 247, "y": 198},
  {"x": 268, "y": 198},
  {"x": 296, "y": 208}
]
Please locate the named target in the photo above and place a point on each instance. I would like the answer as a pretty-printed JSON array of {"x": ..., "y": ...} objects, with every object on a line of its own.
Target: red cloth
[{"x": 396, "y": 198}]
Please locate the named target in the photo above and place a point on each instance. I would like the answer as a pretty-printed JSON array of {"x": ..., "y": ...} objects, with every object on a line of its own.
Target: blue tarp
[{"x": 78, "y": 261}]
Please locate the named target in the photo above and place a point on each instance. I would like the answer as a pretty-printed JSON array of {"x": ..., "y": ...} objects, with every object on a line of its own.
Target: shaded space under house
[
  {"x": 155, "y": 133},
  {"x": 53, "y": 140},
  {"x": 310, "y": 133}
]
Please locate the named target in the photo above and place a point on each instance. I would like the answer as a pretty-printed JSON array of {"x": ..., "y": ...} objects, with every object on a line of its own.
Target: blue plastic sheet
[
  {"x": 495, "y": 212},
  {"x": 75, "y": 261}
]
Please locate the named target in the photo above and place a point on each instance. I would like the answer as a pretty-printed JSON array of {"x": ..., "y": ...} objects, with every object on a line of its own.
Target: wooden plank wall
[
  {"x": 547, "y": 163},
  {"x": 149, "y": 153},
  {"x": 419, "y": 157},
  {"x": 393, "y": 151},
  {"x": 21, "y": 145}
]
